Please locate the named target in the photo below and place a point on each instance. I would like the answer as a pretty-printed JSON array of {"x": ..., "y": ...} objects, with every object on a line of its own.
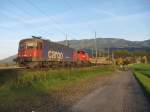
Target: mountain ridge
[
  {"x": 102, "y": 43},
  {"x": 107, "y": 42}
]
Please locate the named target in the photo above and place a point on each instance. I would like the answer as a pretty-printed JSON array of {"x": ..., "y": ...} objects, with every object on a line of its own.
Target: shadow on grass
[
  {"x": 145, "y": 91},
  {"x": 26, "y": 98},
  {"x": 41, "y": 91}
]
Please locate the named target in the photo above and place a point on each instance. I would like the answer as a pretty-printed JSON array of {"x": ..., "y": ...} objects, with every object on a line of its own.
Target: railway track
[
  {"x": 11, "y": 68},
  {"x": 37, "y": 69}
]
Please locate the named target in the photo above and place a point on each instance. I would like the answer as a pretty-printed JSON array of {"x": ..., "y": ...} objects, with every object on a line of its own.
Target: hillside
[
  {"x": 8, "y": 60},
  {"x": 108, "y": 42},
  {"x": 102, "y": 43}
]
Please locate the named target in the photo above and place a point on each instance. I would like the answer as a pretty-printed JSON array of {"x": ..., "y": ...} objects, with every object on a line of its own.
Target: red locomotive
[{"x": 37, "y": 52}]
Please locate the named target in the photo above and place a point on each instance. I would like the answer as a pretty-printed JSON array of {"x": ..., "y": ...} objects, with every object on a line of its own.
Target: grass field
[
  {"x": 142, "y": 73},
  {"x": 25, "y": 90}
]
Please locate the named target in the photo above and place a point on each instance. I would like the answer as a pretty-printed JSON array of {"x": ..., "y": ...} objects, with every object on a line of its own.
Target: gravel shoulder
[{"x": 120, "y": 93}]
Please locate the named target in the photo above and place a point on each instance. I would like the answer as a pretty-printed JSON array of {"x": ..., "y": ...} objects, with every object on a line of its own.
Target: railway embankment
[{"x": 47, "y": 90}]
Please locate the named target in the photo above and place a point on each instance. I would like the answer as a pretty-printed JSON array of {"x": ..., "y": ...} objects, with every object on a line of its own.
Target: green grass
[
  {"x": 141, "y": 67},
  {"x": 26, "y": 88},
  {"x": 145, "y": 81},
  {"x": 142, "y": 73}
]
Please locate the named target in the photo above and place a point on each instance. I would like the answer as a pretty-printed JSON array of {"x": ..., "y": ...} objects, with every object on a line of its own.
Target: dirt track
[{"x": 121, "y": 93}]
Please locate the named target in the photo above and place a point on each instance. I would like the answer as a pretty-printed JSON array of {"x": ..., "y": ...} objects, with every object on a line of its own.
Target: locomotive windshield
[
  {"x": 22, "y": 46},
  {"x": 82, "y": 52},
  {"x": 30, "y": 45}
]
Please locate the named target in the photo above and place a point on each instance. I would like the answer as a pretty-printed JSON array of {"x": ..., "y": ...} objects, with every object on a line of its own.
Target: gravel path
[{"x": 121, "y": 93}]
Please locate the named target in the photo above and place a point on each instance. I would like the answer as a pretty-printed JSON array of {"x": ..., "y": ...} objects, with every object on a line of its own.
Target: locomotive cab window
[
  {"x": 81, "y": 52},
  {"x": 31, "y": 45},
  {"x": 22, "y": 46}
]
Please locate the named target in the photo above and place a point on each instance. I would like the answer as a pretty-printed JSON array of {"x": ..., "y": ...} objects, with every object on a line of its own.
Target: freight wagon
[{"x": 38, "y": 52}]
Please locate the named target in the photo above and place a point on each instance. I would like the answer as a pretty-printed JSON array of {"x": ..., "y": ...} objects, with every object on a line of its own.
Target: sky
[{"x": 52, "y": 19}]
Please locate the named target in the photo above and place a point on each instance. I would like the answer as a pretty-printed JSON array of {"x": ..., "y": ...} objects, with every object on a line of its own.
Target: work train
[{"x": 37, "y": 52}]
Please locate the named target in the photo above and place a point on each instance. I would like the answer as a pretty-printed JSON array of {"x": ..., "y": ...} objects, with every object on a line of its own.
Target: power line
[
  {"x": 6, "y": 28},
  {"x": 50, "y": 17},
  {"x": 68, "y": 4},
  {"x": 39, "y": 9},
  {"x": 71, "y": 8},
  {"x": 23, "y": 10},
  {"x": 36, "y": 7},
  {"x": 13, "y": 18},
  {"x": 19, "y": 8},
  {"x": 45, "y": 14}
]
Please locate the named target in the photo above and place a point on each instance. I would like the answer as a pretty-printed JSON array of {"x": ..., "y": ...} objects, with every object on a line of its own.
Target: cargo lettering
[{"x": 55, "y": 55}]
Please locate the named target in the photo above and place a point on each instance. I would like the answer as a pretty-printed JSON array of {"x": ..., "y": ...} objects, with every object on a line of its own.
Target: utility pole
[
  {"x": 67, "y": 44},
  {"x": 113, "y": 59},
  {"x": 108, "y": 56},
  {"x": 99, "y": 53},
  {"x": 95, "y": 47},
  {"x": 92, "y": 52}
]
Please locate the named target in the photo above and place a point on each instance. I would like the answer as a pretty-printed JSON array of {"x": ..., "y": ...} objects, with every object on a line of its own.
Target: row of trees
[
  {"x": 135, "y": 56},
  {"x": 125, "y": 53},
  {"x": 119, "y": 53}
]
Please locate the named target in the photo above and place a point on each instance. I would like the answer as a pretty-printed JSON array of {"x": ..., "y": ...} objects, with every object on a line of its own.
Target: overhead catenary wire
[
  {"x": 58, "y": 27},
  {"x": 22, "y": 10},
  {"x": 68, "y": 5},
  {"x": 14, "y": 18},
  {"x": 51, "y": 18},
  {"x": 72, "y": 9},
  {"x": 6, "y": 28},
  {"x": 19, "y": 20},
  {"x": 40, "y": 10},
  {"x": 19, "y": 8}
]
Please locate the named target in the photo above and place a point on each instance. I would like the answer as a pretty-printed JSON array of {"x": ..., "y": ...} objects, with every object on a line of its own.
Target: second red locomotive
[{"x": 37, "y": 52}]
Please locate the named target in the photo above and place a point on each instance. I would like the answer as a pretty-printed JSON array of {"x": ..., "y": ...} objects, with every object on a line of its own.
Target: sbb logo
[{"x": 54, "y": 55}]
